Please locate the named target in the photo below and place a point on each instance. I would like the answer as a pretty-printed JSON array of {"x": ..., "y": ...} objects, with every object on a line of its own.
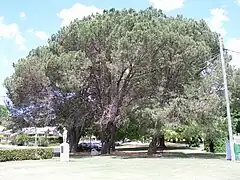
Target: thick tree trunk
[
  {"x": 157, "y": 141},
  {"x": 162, "y": 141},
  {"x": 113, "y": 146},
  {"x": 109, "y": 139},
  {"x": 211, "y": 147},
  {"x": 73, "y": 137},
  {"x": 113, "y": 137},
  {"x": 110, "y": 116},
  {"x": 152, "y": 149},
  {"x": 74, "y": 147},
  {"x": 106, "y": 147}
]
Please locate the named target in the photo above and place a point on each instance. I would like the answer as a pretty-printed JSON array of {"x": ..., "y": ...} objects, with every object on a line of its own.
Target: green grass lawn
[{"x": 103, "y": 168}]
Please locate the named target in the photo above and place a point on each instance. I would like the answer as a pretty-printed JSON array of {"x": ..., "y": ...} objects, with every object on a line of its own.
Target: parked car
[
  {"x": 125, "y": 140},
  {"x": 89, "y": 145},
  {"x": 117, "y": 143}
]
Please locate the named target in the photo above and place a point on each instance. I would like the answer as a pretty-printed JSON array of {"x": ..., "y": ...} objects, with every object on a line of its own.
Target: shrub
[
  {"x": 42, "y": 141},
  {"x": 25, "y": 154},
  {"x": 219, "y": 145},
  {"x": 24, "y": 139},
  {"x": 171, "y": 134},
  {"x": 21, "y": 139},
  {"x": 53, "y": 139},
  {"x": 194, "y": 142}
]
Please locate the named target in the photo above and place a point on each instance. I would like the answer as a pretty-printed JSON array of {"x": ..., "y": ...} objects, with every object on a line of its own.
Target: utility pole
[{"x": 227, "y": 100}]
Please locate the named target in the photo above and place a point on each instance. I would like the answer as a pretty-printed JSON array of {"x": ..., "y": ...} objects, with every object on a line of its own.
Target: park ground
[
  {"x": 176, "y": 163},
  {"x": 116, "y": 168}
]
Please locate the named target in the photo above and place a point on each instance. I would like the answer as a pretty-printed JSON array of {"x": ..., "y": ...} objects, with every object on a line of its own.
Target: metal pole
[
  {"x": 36, "y": 142},
  {"x": 227, "y": 100}
]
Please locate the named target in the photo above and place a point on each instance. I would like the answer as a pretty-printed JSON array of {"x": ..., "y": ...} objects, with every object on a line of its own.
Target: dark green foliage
[
  {"x": 25, "y": 154},
  {"x": 131, "y": 130},
  {"x": 22, "y": 139},
  {"x": 219, "y": 145},
  {"x": 3, "y": 111},
  {"x": 238, "y": 127},
  {"x": 194, "y": 142}
]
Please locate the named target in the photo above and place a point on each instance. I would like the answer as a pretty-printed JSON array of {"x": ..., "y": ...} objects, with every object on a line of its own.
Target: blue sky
[{"x": 26, "y": 24}]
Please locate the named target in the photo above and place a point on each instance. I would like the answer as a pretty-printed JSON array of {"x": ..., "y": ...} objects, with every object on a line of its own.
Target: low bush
[
  {"x": 54, "y": 139},
  {"x": 25, "y": 154},
  {"x": 23, "y": 139},
  {"x": 42, "y": 141},
  {"x": 219, "y": 145}
]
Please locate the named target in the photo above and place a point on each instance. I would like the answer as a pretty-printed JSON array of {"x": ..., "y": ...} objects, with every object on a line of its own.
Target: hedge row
[
  {"x": 25, "y": 154},
  {"x": 23, "y": 139}
]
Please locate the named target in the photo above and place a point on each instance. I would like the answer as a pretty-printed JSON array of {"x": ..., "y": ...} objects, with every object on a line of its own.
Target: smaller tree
[
  {"x": 4, "y": 115},
  {"x": 3, "y": 111}
]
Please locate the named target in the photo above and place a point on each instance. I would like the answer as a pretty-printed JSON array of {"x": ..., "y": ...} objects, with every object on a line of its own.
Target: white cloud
[
  {"x": 217, "y": 20},
  {"x": 19, "y": 39},
  {"x": 238, "y": 2},
  {"x": 42, "y": 35},
  {"x": 11, "y": 31},
  {"x": 234, "y": 44},
  {"x": 76, "y": 11},
  {"x": 7, "y": 30},
  {"x": 22, "y": 15},
  {"x": 167, "y": 5}
]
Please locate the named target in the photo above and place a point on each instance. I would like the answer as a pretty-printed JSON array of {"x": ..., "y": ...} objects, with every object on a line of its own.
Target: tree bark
[
  {"x": 162, "y": 141},
  {"x": 109, "y": 139},
  {"x": 106, "y": 147},
  {"x": 211, "y": 146},
  {"x": 113, "y": 137},
  {"x": 152, "y": 149},
  {"x": 74, "y": 136},
  {"x": 157, "y": 141}
]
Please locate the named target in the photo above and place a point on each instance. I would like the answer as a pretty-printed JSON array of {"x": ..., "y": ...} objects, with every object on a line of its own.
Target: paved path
[{"x": 106, "y": 168}]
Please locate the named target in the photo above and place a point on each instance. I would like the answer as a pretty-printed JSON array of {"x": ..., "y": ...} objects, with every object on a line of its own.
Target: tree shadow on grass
[
  {"x": 176, "y": 155},
  {"x": 164, "y": 155},
  {"x": 134, "y": 152},
  {"x": 193, "y": 155},
  {"x": 79, "y": 155},
  {"x": 141, "y": 152},
  {"x": 145, "y": 148}
]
